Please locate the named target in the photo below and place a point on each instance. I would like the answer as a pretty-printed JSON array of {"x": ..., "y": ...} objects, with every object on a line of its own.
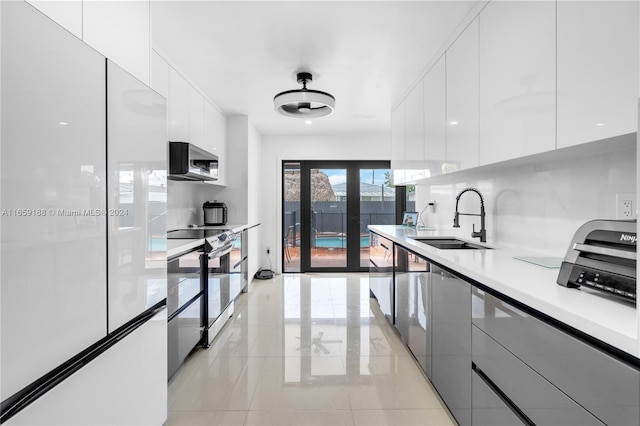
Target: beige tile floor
[{"x": 308, "y": 349}]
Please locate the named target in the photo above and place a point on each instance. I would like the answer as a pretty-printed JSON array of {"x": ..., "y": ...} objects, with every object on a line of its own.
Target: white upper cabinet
[
  {"x": 159, "y": 74},
  {"x": 414, "y": 135},
  {"x": 67, "y": 13},
  {"x": 434, "y": 118},
  {"x": 215, "y": 136},
  {"x": 397, "y": 144},
  {"x": 462, "y": 101},
  {"x": 597, "y": 70},
  {"x": 120, "y": 31},
  {"x": 517, "y": 79},
  {"x": 196, "y": 117},
  {"x": 137, "y": 169},
  {"x": 179, "y": 101}
]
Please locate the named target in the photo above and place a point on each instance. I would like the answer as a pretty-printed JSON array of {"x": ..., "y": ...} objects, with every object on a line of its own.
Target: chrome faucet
[{"x": 456, "y": 219}]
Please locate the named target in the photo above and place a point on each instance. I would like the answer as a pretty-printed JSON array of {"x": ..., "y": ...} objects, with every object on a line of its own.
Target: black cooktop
[{"x": 193, "y": 234}]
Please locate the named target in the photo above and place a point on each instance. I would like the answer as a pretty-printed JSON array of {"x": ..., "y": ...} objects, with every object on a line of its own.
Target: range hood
[{"x": 189, "y": 162}]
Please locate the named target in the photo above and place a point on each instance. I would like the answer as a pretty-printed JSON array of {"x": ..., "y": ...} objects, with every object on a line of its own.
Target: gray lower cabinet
[
  {"x": 451, "y": 342},
  {"x": 489, "y": 409},
  {"x": 413, "y": 305},
  {"x": 381, "y": 274},
  {"x": 605, "y": 386},
  {"x": 525, "y": 396}
]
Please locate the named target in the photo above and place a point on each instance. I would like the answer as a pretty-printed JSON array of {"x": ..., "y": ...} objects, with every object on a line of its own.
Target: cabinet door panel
[
  {"x": 196, "y": 117},
  {"x": 451, "y": 342},
  {"x": 414, "y": 134},
  {"x": 120, "y": 31},
  {"x": 540, "y": 401},
  {"x": 605, "y": 386},
  {"x": 434, "y": 118},
  {"x": 66, "y": 13},
  {"x": 137, "y": 166},
  {"x": 381, "y": 274},
  {"x": 53, "y": 268},
  {"x": 397, "y": 144},
  {"x": 462, "y": 101},
  {"x": 488, "y": 408},
  {"x": 597, "y": 70},
  {"x": 159, "y": 75},
  {"x": 517, "y": 79},
  {"x": 413, "y": 305},
  {"x": 179, "y": 91}
]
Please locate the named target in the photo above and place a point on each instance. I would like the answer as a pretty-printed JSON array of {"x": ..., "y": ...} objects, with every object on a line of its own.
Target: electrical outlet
[{"x": 626, "y": 205}]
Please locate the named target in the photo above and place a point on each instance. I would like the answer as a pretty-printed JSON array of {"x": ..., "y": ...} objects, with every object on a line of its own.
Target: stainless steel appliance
[
  {"x": 602, "y": 257},
  {"x": 215, "y": 213},
  {"x": 199, "y": 290},
  {"x": 189, "y": 162}
]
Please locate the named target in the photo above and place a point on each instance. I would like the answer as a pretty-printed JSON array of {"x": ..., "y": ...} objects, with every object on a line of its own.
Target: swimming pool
[{"x": 338, "y": 242}]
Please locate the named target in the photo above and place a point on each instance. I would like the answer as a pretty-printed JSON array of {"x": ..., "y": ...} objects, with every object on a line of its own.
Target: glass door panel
[
  {"x": 377, "y": 205},
  {"x": 328, "y": 217}
]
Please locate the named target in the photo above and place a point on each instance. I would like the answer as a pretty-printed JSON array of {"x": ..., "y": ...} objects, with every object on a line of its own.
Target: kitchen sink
[{"x": 450, "y": 244}]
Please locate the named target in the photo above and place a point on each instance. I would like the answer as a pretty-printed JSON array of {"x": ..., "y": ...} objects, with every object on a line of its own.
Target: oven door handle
[
  {"x": 221, "y": 252},
  {"x": 239, "y": 263}
]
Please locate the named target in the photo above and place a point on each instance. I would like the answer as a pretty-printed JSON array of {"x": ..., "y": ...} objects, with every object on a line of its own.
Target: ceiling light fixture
[{"x": 304, "y": 103}]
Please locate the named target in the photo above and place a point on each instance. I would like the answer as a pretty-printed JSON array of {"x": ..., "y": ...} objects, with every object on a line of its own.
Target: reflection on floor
[{"x": 305, "y": 350}]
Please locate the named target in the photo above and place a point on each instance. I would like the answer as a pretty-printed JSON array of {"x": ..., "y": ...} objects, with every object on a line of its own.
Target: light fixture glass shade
[{"x": 304, "y": 103}]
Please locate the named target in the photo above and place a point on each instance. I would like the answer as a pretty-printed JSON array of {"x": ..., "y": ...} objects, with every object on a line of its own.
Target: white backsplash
[
  {"x": 536, "y": 207},
  {"x": 185, "y": 200}
]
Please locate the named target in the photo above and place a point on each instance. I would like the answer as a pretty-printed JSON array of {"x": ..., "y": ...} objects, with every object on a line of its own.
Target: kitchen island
[{"x": 500, "y": 340}]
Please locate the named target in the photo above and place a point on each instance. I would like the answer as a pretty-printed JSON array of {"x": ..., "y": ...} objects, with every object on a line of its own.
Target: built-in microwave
[{"x": 189, "y": 162}]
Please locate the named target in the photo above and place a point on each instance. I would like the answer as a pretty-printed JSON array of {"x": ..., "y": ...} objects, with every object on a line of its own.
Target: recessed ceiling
[{"x": 365, "y": 53}]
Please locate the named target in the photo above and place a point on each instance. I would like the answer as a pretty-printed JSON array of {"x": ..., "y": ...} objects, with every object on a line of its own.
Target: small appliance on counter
[
  {"x": 602, "y": 256},
  {"x": 214, "y": 213}
]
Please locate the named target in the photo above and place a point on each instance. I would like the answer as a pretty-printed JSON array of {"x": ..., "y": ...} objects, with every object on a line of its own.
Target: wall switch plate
[{"x": 626, "y": 205}]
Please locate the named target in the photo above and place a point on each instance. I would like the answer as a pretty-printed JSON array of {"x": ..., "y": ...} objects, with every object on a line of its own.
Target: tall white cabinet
[
  {"x": 53, "y": 268},
  {"x": 414, "y": 147},
  {"x": 120, "y": 30},
  {"x": 81, "y": 142},
  {"x": 517, "y": 79},
  {"x": 598, "y": 44},
  {"x": 434, "y": 118},
  {"x": 463, "y": 147},
  {"x": 397, "y": 144},
  {"x": 137, "y": 188}
]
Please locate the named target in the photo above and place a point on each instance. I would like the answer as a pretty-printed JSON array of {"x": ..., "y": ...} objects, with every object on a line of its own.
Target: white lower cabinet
[{"x": 126, "y": 385}]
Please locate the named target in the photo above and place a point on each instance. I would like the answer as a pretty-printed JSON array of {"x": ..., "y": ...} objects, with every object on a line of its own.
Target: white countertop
[
  {"x": 611, "y": 321},
  {"x": 176, "y": 247}
]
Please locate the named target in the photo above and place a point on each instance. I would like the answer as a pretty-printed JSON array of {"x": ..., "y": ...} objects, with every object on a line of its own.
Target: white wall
[
  {"x": 276, "y": 148},
  {"x": 538, "y": 206}
]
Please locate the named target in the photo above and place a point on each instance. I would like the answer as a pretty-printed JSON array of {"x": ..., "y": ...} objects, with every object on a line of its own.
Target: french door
[{"x": 326, "y": 231}]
